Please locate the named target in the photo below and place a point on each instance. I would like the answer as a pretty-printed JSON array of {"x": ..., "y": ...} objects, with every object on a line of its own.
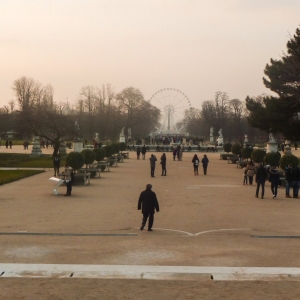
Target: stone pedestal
[
  {"x": 36, "y": 147},
  {"x": 220, "y": 141},
  {"x": 271, "y": 147},
  {"x": 62, "y": 149},
  {"x": 288, "y": 150},
  {"x": 184, "y": 141},
  {"x": 211, "y": 139},
  {"x": 77, "y": 146},
  {"x": 122, "y": 139}
]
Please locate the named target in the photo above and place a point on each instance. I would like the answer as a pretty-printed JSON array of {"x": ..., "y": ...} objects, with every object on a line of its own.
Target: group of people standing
[
  {"x": 270, "y": 173},
  {"x": 8, "y": 143}
]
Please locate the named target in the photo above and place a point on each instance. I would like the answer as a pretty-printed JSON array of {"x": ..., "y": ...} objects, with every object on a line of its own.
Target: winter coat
[
  {"x": 250, "y": 170},
  {"x": 163, "y": 160},
  {"x": 289, "y": 174},
  {"x": 148, "y": 202},
  {"x": 205, "y": 161},
  {"x": 274, "y": 176},
  {"x": 195, "y": 161},
  {"x": 296, "y": 174},
  {"x": 144, "y": 150},
  {"x": 261, "y": 175},
  {"x": 152, "y": 160}
]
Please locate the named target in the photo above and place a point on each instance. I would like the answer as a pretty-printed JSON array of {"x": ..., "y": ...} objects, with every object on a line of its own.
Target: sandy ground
[{"x": 223, "y": 212}]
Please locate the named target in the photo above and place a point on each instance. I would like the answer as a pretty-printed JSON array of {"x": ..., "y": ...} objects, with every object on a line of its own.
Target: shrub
[
  {"x": 122, "y": 146},
  {"x": 75, "y": 160},
  {"x": 116, "y": 148},
  {"x": 109, "y": 150},
  {"x": 287, "y": 159},
  {"x": 227, "y": 147},
  {"x": 236, "y": 149},
  {"x": 272, "y": 158},
  {"x": 246, "y": 153},
  {"x": 99, "y": 154},
  {"x": 258, "y": 155},
  {"x": 88, "y": 156}
]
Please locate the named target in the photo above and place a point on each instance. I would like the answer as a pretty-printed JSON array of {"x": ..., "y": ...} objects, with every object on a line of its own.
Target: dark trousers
[
  {"x": 152, "y": 171},
  {"x": 205, "y": 169},
  {"x": 274, "y": 188},
  {"x": 69, "y": 187},
  {"x": 56, "y": 171},
  {"x": 163, "y": 170},
  {"x": 250, "y": 180},
  {"x": 151, "y": 219},
  {"x": 262, "y": 184}
]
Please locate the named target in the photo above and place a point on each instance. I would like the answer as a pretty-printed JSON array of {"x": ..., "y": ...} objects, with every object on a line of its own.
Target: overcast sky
[{"x": 196, "y": 46}]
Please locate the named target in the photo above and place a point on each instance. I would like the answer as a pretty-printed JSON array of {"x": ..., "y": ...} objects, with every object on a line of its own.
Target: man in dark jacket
[
  {"x": 288, "y": 180},
  {"x": 274, "y": 178},
  {"x": 148, "y": 203},
  {"x": 205, "y": 162},
  {"x": 296, "y": 181},
  {"x": 152, "y": 164},
  {"x": 144, "y": 150},
  {"x": 261, "y": 176}
]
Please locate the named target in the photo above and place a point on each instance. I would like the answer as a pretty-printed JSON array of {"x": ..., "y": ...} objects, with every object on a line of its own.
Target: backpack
[{"x": 196, "y": 162}]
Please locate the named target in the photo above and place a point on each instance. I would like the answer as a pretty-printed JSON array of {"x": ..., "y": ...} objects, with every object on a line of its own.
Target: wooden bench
[
  {"x": 113, "y": 162},
  {"x": 124, "y": 154},
  {"x": 94, "y": 168},
  {"x": 104, "y": 164},
  {"x": 241, "y": 164},
  {"x": 232, "y": 160},
  {"x": 85, "y": 174}
]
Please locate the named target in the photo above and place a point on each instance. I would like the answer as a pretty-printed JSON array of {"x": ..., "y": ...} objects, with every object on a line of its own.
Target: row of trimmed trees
[{"x": 260, "y": 155}]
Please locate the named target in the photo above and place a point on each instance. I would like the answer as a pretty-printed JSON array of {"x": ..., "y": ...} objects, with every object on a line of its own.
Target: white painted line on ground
[
  {"x": 215, "y": 185},
  {"x": 225, "y": 229},
  {"x": 202, "y": 232},
  {"x": 149, "y": 272}
]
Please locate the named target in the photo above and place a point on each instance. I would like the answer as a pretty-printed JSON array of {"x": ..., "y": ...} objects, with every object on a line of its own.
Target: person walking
[
  {"x": 274, "y": 179},
  {"x": 260, "y": 178},
  {"x": 144, "y": 150},
  {"x": 245, "y": 181},
  {"x": 10, "y": 144},
  {"x": 152, "y": 164},
  {"x": 148, "y": 204},
  {"x": 288, "y": 180},
  {"x": 68, "y": 178},
  {"x": 56, "y": 165},
  {"x": 6, "y": 144},
  {"x": 204, "y": 162},
  {"x": 138, "y": 152},
  {"x": 250, "y": 171},
  {"x": 163, "y": 162},
  {"x": 195, "y": 162},
  {"x": 174, "y": 153},
  {"x": 296, "y": 181}
]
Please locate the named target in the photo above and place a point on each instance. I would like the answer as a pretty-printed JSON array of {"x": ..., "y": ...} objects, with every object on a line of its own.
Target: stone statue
[
  {"x": 76, "y": 130},
  {"x": 271, "y": 137},
  {"x": 211, "y": 132},
  {"x": 97, "y": 137},
  {"x": 220, "y": 133},
  {"x": 129, "y": 133},
  {"x": 122, "y": 131}
]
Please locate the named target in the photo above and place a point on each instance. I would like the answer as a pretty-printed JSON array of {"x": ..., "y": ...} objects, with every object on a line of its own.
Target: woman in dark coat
[
  {"x": 274, "y": 178},
  {"x": 138, "y": 152},
  {"x": 163, "y": 162},
  {"x": 195, "y": 162}
]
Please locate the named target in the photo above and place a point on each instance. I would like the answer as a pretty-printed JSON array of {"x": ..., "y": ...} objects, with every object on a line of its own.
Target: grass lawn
[
  {"x": 7, "y": 176},
  {"x": 14, "y": 160}
]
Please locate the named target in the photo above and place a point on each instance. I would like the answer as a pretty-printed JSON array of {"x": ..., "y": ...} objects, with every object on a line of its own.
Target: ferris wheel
[{"x": 172, "y": 104}]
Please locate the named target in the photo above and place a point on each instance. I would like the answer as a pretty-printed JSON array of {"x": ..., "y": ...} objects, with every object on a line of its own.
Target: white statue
[
  {"x": 211, "y": 131},
  {"x": 129, "y": 133},
  {"x": 122, "y": 131},
  {"x": 97, "y": 137},
  {"x": 271, "y": 137},
  {"x": 220, "y": 133}
]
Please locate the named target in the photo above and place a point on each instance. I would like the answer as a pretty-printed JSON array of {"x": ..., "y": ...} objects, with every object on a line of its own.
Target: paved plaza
[{"x": 204, "y": 221}]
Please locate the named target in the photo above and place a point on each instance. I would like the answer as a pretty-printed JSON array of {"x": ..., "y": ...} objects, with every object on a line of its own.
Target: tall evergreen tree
[{"x": 283, "y": 78}]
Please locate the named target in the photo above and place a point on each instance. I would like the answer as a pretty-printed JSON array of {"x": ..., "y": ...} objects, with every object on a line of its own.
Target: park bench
[
  {"x": 124, "y": 154},
  {"x": 94, "y": 168},
  {"x": 113, "y": 162},
  {"x": 232, "y": 160},
  {"x": 103, "y": 165},
  {"x": 58, "y": 182},
  {"x": 89, "y": 147},
  {"x": 85, "y": 175},
  {"x": 241, "y": 164}
]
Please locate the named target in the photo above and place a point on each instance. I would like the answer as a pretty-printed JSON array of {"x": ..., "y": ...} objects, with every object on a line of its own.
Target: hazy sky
[{"x": 196, "y": 46}]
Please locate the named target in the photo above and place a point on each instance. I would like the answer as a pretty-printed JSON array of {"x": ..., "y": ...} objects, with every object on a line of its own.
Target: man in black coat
[
  {"x": 148, "y": 203},
  {"x": 261, "y": 177}
]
